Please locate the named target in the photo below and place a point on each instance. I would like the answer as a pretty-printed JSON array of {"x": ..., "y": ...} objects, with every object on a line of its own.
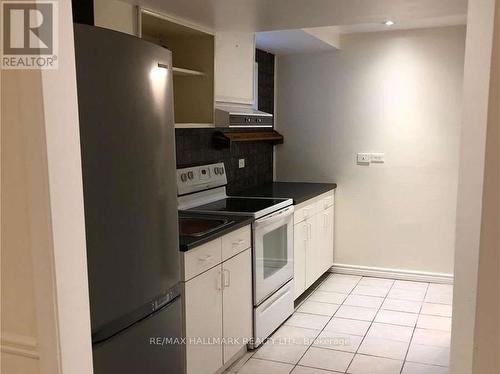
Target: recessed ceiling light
[{"x": 388, "y": 23}]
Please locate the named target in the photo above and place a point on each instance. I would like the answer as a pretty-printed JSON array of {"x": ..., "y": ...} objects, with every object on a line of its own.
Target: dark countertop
[
  {"x": 298, "y": 191},
  {"x": 189, "y": 242}
]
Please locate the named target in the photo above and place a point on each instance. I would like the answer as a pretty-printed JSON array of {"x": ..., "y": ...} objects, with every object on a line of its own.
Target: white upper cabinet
[{"x": 234, "y": 67}]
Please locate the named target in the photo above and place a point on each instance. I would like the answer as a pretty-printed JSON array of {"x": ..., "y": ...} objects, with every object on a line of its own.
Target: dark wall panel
[
  {"x": 83, "y": 11},
  {"x": 265, "y": 63}
]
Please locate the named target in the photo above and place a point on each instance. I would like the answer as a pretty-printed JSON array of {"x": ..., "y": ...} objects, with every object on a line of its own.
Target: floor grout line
[
  {"x": 414, "y": 329},
  {"x": 359, "y": 280},
  {"x": 371, "y": 324}
]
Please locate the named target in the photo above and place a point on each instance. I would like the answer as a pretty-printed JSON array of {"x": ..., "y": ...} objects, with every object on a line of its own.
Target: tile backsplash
[{"x": 194, "y": 147}]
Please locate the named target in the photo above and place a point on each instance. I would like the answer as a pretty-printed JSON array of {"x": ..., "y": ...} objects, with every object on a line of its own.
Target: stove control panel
[{"x": 200, "y": 178}]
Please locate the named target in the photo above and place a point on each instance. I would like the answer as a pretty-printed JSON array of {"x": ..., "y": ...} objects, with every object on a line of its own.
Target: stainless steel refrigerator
[{"x": 128, "y": 160}]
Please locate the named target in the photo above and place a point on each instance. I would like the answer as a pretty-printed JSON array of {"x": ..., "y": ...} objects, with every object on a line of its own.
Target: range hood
[
  {"x": 242, "y": 117},
  {"x": 225, "y": 138}
]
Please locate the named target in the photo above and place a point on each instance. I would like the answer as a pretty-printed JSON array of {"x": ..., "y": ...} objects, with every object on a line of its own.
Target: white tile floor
[{"x": 361, "y": 325}]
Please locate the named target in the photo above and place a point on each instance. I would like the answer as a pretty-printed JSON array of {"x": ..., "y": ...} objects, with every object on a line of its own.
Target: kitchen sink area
[
  {"x": 199, "y": 226},
  {"x": 196, "y": 228}
]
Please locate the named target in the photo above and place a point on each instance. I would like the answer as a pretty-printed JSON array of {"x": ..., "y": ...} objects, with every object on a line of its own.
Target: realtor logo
[{"x": 29, "y": 34}]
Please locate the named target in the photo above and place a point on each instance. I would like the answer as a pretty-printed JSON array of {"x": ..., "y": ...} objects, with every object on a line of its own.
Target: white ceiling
[
  {"x": 321, "y": 39},
  {"x": 452, "y": 20},
  {"x": 269, "y": 15},
  {"x": 288, "y": 42}
]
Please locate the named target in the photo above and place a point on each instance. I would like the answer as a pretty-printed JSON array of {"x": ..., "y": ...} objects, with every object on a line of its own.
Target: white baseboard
[
  {"x": 417, "y": 276},
  {"x": 19, "y": 345}
]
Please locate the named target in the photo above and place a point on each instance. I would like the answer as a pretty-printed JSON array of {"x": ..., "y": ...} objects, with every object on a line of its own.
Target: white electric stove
[{"x": 202, "y": 189}]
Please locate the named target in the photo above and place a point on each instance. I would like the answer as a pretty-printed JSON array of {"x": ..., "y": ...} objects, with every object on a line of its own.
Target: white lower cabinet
[
  {"x": 218, "y": 308},
  {"x": 237, "y": 303},
  {"x": 328, "y": 235},
  {"x": 203, "y": 308},
  {"x": 315, "y": 250},
  {"x": 301, "y": 241},
  {"x": 313, "y": 241}
]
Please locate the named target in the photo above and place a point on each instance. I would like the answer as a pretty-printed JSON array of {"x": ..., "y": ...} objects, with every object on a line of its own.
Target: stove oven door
[{"x": 273, "y": 253}]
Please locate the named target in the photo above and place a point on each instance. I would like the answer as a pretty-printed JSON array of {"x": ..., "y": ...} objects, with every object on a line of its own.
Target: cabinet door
[
  {"x": 237, "y": 303},
  {"x": 203, "y": 310},
  {"x": 327, "y": 235},
  {"x": 301, "y": 239},
  {"x": 319, "y": 257},
  {"x": 234, "y": 67},
  {"x": 314, "y": 250}
]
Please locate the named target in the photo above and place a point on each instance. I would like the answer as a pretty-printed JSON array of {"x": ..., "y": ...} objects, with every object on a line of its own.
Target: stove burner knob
[
  {"x": 221, "y": 171},
  {"x": 190, "y": 175},
  {"x": 216, "y": 171},
  {"x": 184, "y": 177}
]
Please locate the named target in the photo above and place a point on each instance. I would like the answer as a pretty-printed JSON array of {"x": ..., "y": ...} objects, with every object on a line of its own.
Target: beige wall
[
  {"x": 45, "y": 306},
  {"x": 62, "y": 196},
  {"x": 18, "y": 310},
  {"x": 487, "y": 328},
  {"x": 475, "y": 308},
  {"x": 397, "y": 92}
]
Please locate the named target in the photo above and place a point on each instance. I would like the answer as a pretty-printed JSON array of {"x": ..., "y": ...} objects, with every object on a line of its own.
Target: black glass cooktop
[{"x": 238, "y": 205}]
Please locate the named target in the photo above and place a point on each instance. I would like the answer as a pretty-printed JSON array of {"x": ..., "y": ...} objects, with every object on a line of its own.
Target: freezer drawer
[{"x": 142, "y": 348}]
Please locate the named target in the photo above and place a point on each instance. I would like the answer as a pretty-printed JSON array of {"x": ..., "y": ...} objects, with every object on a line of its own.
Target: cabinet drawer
[
  {"x": 327, "y": 202},
  {"x": 313, "y": 206},
  {"x": 307, "y": 211},
  {"x": 202, "y": 258},
  {"x": 236, "y": 242}
]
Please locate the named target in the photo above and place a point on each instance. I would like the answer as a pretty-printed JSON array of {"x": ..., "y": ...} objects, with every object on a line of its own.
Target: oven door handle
[{"x": 280, "y": 214}]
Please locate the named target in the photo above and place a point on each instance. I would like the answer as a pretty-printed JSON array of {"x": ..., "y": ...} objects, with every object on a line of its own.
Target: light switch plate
[
  {"x": 363, "y": 158},
  {"x": 241, "y": 163},
  {"x": 377, "y": 157}
]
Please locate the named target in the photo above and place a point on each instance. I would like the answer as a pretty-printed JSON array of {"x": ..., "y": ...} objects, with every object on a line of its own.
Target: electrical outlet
[
  {"x": 241, "y": 163},
  {"x": 377, "y": 157},
  {"x": 363, "y": 158}
]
